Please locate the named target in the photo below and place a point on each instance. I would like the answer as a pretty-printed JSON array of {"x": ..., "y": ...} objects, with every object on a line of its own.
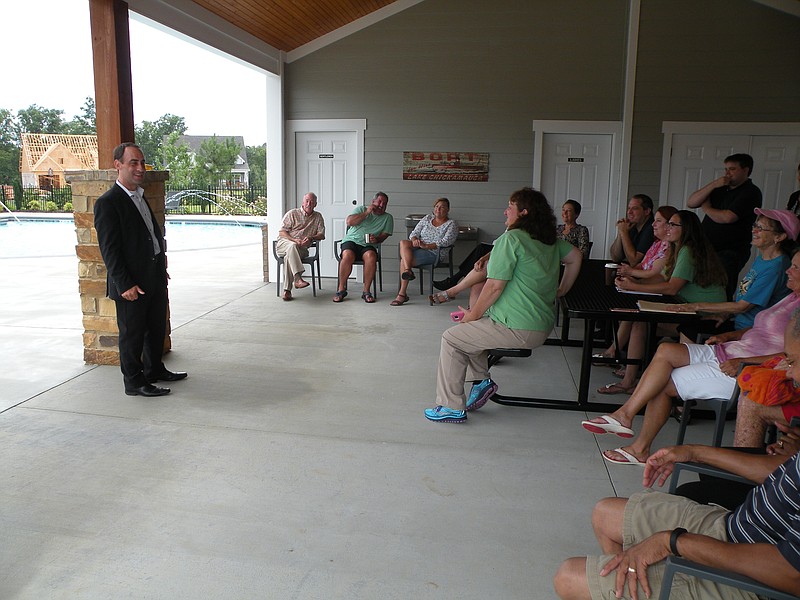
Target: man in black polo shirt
[
  {"x": 634, "y": 232},
  {"x": 728, "y": 203}
]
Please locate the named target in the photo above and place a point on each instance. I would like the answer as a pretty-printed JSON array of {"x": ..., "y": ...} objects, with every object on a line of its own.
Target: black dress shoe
[
  {"x": 147, "y": 390},
  {"x": 168, "y": 376}
]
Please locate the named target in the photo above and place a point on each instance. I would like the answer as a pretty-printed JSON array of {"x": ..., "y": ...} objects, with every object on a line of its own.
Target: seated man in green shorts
[{"x": 367, "y": 226}]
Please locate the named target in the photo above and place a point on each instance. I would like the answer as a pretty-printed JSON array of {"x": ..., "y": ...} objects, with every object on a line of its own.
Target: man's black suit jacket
[{"x": 126, "y": 245}]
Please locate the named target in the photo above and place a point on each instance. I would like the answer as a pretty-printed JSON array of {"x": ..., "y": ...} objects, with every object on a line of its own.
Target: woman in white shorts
[{"x": 695, "y": 371}]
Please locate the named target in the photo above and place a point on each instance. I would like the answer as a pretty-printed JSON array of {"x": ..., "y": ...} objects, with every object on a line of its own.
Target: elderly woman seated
[
  {"x": 695, "y": 371},
  {"x": 570, "y": 230},
  {"x": 769, "y": 395}
]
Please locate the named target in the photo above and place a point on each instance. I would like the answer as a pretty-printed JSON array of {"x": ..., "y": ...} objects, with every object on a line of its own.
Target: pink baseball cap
[{"x": 787, "y": 219}]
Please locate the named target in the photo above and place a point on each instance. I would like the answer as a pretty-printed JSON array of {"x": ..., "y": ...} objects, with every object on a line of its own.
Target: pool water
[{"x": 37, "y": 238}]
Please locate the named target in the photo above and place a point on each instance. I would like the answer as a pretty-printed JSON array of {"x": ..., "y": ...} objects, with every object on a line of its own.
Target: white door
[
  {"x": 698, "y": 159},
  {"x": 577, "y": 166},
  {"x": 775, "y": 161},
  {"x": 326, "y": 163}
]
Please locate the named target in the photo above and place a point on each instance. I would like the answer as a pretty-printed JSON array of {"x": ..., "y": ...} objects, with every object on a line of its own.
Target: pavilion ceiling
[{"x": 289, "y": 24}]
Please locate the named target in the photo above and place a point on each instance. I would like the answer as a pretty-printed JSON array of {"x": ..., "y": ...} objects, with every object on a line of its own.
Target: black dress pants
[{"x": 142, "y": 327}]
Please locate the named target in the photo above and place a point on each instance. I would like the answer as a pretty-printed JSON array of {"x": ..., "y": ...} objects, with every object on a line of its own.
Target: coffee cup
[
  {"x": 366, "y": 238},
  {"x": 611, "y": 273}
]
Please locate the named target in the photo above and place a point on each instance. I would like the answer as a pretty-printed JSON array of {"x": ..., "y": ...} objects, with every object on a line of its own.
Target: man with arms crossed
[
  {"x": 634, "y": 232},
  {"x": 132, "y": 245},
  {"x": 729, "y": 203},
  {"x": 300, "y": 228},
  {"x": 366, "y": 227},
  {"x": 759, "y": 539}
]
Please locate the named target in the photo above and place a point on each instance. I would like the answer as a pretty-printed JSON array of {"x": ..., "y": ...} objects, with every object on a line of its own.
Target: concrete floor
[{"x": 294, "y": 463}]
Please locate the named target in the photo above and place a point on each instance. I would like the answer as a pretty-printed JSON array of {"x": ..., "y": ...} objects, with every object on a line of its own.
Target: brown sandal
[
  {"x": 397, "y": 302},
  {"x": 612, "y": 389}
]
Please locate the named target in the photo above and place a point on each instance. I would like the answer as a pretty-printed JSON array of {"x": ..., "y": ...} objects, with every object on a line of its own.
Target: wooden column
[{"x": 113, "y": 90}]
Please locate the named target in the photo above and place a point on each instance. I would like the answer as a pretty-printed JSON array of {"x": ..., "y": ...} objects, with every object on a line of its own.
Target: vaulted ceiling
[{"x": 288, "y": 24}]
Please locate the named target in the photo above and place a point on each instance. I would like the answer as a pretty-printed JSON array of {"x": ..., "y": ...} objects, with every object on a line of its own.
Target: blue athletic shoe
[
  {"x": 480, "y": 393},
  {"x": 442, "y": 414}
]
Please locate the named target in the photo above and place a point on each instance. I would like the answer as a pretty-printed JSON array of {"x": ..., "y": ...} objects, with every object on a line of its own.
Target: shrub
[
  {"x": 51, "y": 206},
  {"x": 68, "y": 207},
  {"x": 259, "y": 206}
]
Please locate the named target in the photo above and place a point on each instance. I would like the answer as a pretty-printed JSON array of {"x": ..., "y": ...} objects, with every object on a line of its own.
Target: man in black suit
[{"x": 132, "y": 245}]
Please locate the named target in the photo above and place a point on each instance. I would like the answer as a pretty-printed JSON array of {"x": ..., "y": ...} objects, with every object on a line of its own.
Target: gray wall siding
[
  {"x": 715, "y": 60},
  {"x": 472, "y": 75},
  {"x": 465, "y": 75}
]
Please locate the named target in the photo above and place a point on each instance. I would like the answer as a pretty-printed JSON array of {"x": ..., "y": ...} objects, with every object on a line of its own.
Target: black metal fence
[
  {"x": 250, "y": 200},
  {"x": 34, "y": 199}
]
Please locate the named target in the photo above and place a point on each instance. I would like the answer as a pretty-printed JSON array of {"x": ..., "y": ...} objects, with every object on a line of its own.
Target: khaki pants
[
  {"x": 464, "y": 355},
  {"x": 293, "y": 256}
]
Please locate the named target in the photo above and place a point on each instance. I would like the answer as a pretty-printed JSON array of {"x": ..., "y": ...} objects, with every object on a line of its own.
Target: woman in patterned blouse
[
  {"x": 570, "y": 231},
  {"x": 425, "y": 244}
]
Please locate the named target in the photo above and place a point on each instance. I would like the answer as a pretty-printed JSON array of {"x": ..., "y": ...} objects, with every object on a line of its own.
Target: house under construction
[{"x": 47, "y": 157}]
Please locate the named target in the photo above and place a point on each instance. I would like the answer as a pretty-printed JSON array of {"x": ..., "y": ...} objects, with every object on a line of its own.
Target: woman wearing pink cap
[{"x": 774, "y": 236}]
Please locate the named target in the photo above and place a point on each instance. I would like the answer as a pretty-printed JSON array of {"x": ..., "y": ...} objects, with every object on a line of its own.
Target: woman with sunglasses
[{"x": 692, "y": 272}]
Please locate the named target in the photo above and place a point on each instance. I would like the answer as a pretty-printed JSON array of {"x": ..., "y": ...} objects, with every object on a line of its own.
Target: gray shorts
[{"x": 650, "y": 512}]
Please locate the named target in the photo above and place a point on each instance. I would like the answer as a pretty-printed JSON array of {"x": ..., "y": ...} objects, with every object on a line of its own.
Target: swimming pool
[{"x": 50, "y": 238}]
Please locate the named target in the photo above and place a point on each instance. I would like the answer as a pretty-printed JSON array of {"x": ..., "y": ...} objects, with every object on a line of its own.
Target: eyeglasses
[
  {"x": 760, "y": 228},
  {"x": 671, "y": 224}
]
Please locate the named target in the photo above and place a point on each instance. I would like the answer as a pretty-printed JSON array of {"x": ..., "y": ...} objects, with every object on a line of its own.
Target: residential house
[{"x": 240, "y": 173}]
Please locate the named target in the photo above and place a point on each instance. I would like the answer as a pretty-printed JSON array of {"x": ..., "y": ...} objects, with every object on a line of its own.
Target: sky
[{"x": 48, "y": 62}]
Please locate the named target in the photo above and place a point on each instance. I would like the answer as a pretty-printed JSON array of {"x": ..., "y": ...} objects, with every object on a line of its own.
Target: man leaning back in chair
[{"x": 367, "y": 227}]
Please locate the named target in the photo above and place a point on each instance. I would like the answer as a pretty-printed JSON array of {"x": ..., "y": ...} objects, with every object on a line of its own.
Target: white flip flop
[
  {"x": 611, "y": 425},
  {"x": 630, "y": 459}
]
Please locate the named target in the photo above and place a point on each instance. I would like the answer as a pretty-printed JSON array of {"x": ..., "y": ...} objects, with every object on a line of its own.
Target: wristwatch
[{"x": 673, "y": 540}]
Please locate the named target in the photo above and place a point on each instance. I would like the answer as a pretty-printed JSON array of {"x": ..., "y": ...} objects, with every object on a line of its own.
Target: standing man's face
[
  {"x": 309, "y": 204},
  {"x": 131, "y": 168},
  {"x": 379, "y": 205},
  {"x": 735, "y": 174}
]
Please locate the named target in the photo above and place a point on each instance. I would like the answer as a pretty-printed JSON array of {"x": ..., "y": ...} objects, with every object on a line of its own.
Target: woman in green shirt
[
  {"x": 692, "y": 271},
  {"x": 515, "y": 309}
]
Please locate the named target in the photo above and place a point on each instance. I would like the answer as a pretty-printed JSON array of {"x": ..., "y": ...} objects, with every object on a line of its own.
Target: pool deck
[{"x": 294, "y": 462}]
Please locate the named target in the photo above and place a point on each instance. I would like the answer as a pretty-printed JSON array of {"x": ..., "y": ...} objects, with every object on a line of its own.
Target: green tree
[
  {"x": 84, "y": 123},
  {"x": 177, "y": 158},
  {"x": 214, "y": 161},
  {"x": 9, "y": 148},
  {"x": 150, "y": 136},
  {"x": 37, "y": 119},
  {"x": 257, "y": 160}
]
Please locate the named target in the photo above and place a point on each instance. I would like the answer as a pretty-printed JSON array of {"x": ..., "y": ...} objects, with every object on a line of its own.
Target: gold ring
[{"x": 631, "y": 570}]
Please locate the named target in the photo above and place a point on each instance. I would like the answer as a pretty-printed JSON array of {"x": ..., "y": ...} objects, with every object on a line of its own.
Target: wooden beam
[{"x": 113, "y": 89}]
